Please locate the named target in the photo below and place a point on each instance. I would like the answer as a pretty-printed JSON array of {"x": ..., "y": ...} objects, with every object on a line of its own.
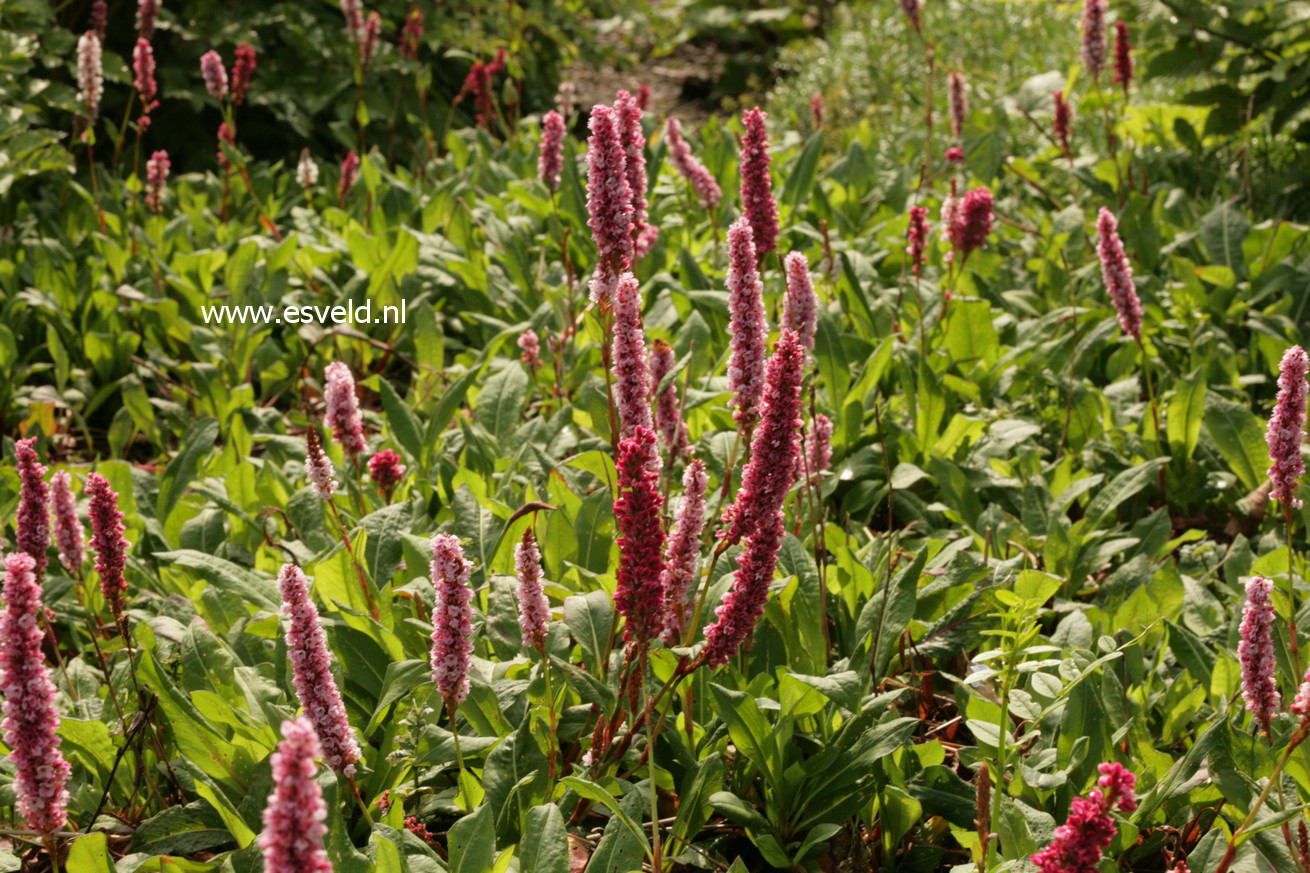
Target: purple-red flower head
[
  {"x": 1118, "y": 274},
  {"x": 32, "y": 521},
  {"x": 971, "y": 222},
  {"x": 534, "y": 609},
  {"x": 746, "y": 324},
  {"x": 295, "y": 813},
  {"x": 550, "y": 161},
  {"x": 1123, "y": 56},
  {"x": 631, "y": 376},
  {"x": 31, "y": 721},
  {"x": 1089, "y": 830},
  {"x": 756, "y": 184},
  {"x": 1256, "y": 652},
  {"x": 452, "y": 619},
  {"x": 311, "y": 669},
  {"x": 701, "y": 180},
  {"x": 641, "y": 538},
  {"x": 243, "y": 70},
  {"x": 108, "y": 540},
  {"x": 343, "y": 408},
  {"x": 214, "y": 74},
  {"x": 1286, "y": 429}
]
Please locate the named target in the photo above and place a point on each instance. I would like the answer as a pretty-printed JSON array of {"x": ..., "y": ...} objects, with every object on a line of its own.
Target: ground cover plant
[{"x": 891, "y": 465}]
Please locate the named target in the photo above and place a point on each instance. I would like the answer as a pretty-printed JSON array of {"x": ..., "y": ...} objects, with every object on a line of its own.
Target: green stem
[
  {"x": 550, "y": 712},
  {"x": 459, "y": 756},
  {"x": 1291, "y": 594},
  {"x": 1275, "y": 777},
  {"x": 655, "y": 865}
]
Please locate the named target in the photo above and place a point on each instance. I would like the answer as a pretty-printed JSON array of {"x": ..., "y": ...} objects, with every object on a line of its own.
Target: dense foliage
[{"x": 905, "y": 480}]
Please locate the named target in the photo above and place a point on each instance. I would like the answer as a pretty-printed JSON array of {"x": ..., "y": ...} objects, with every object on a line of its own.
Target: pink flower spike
[
  {"x": 817, "y": 110},
  {"x": 550, "y": 161},
  {"x": 243, "y": 70},
  {"x": 452, "y": 619},
  {"x": 1123, "y": 56},
  {"x": 1094, "y": 36},
  {"x": 225, "y": 135},
  {"x": 971, "y": 221},
  {"x": 917, "y": 237},
  {"x": 343, "y": 408},
  {"x": 368, "y": 46},
  {"x": 1063, "y": 121},
  {"x": 1286, "y": 429},
  {"x": 800, "y": 308},
  {"x": 90, "y": 74},
  {"x": 108, "y": 541},
  {"x": 157, "y": 168},
  {"x": 146, "y": 13},
  {"x": 911, "y": 10},
  {"x": 530, "y": 347},
  {"x": 295, "y": 813},
  {"x": 67, "y": 526},
  {"x": 633, "y": 139},
  {"x": 774, "y": 445},
  {"x": 1118, "y": 274},
  {"x": 756, "y": 514},
  {"x": 701, "y": 180},
  {"x": 317, "y": 465},
  {"x": 411, "y": 33},
  {"x": 609, "y": 196},
  {"x": 32, "y": 521},
  {"x": 99, "y": 18},
  {"x": 643, "y": 97},
  {"x": 306, "y": 170},
  {"x": 958, "y": 90},
  {"x": 746, "y": 324},
  {"x": 31, "y": 720},
  {"x": 682, "y": 554},
  {"x": 1256, "y": 652},
  {"x": 534, "y": 609},
  {"x": 817, "y": 447},
  {"x": 1089, "y": 830},
  {"x": 638, "y": 595},
  {"x": 353, "y": 11},
  {"x": 214, "y": 74},
  {"x": 349, "y": 175},
  {"x": 756, "y": 184},
  {"x": 311, "y": 668},
  {"x": 631, "y": 377},
  {"x": 143, "y": 79},
  {"x": 386, "y": 471},
  {"x": 668, "y": 415}
]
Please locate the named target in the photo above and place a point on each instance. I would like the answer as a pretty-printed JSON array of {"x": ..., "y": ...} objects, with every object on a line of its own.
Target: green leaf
[
  {"x": 500, "y": 402},
  {"x": 181, "y": 830},
  {"x": 404, "y": 426},
  {"x": 800, "y": 175},
  {"x": 89, "y": 853},
  {"x": 751, "y": 732},
  {"x": 1185, "y": 413},
  {"x": 1240, "y": 439},
  {"x": 1222, "y": 232},
  {"x": 1121, "y": 488},
  {"x": 383, "y": 549},
  {"x": 472, "y": 842},
  {"x": 589, "y": 618},
  {"x": 597, "y": 794},
  {"x": 970, "y": 336},
  {"x": 198, "y": 442},
  {"x": 621, "y": 849},
  {"x": 545, "y": 844}
]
